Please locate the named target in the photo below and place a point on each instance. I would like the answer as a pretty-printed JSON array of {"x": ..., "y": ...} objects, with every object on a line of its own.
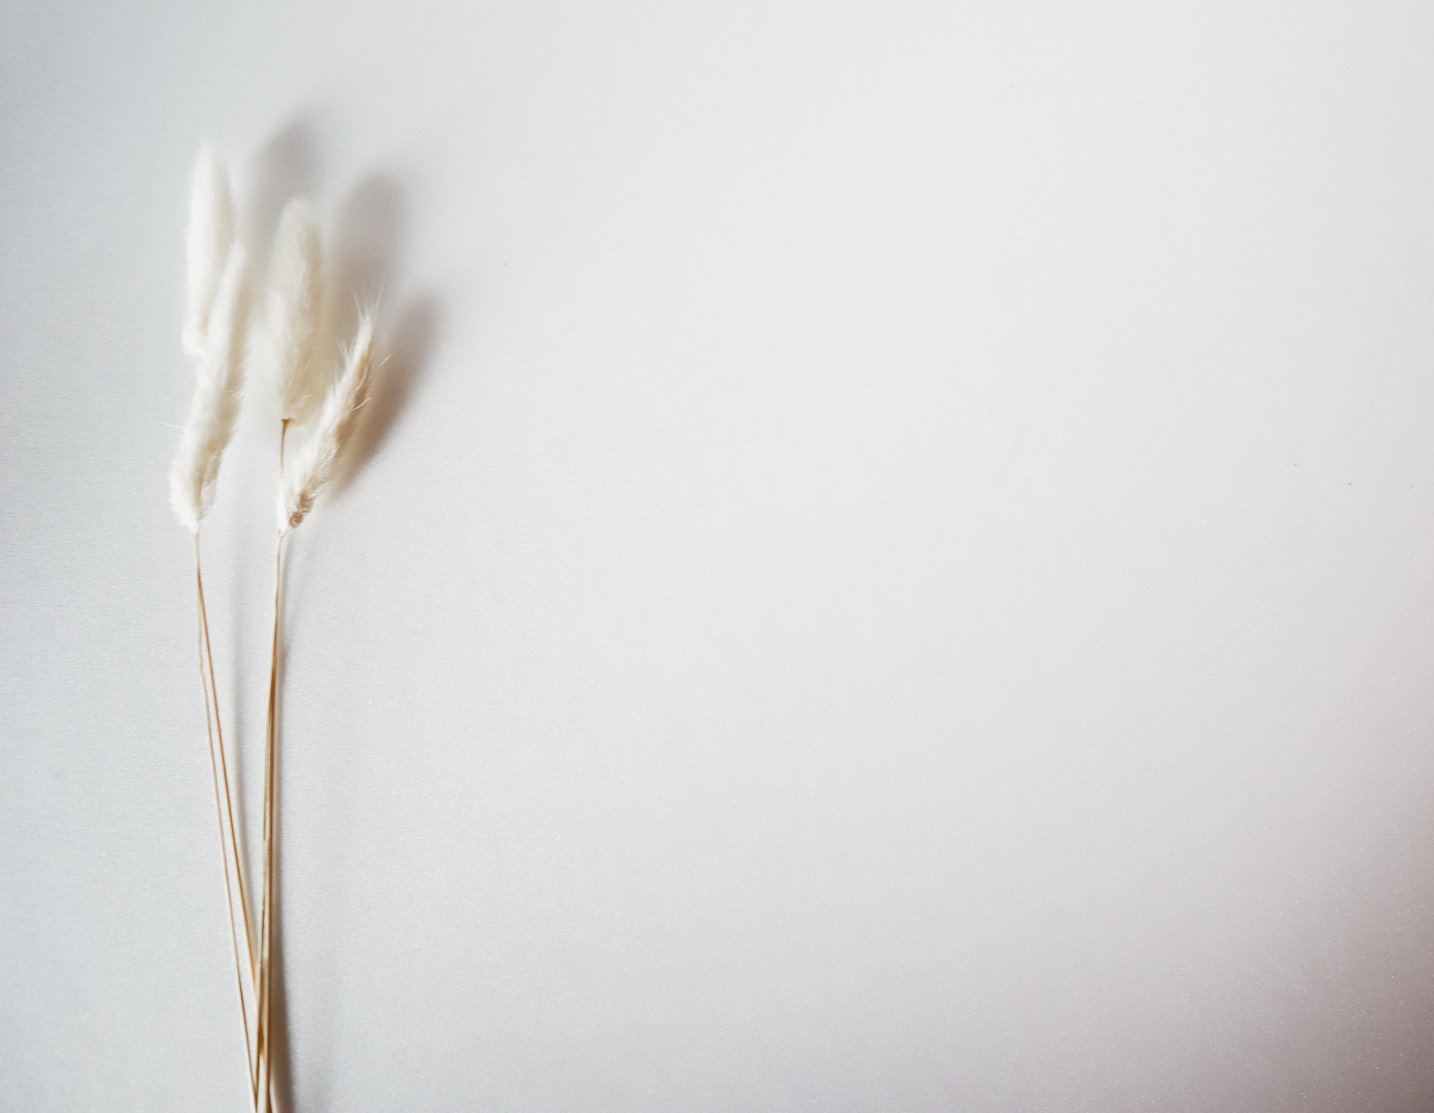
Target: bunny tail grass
[
  {"x": 310, "y": 470},
  {"x": 211, "y": 234},
  {"x": 295, "y": 299},
  {"x": 313, "y": 464},
  {"x": 216, "y": 401}
]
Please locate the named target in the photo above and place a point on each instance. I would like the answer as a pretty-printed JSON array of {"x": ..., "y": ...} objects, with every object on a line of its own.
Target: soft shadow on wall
[
  {"x": 364, "y": 255},
  {"x": 363, "y": 243},
  {"x": 367, "y": 241}
]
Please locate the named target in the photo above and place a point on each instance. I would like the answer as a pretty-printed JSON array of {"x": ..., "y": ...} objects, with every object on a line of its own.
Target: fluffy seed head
[
  {"x": 313, "y": 465},
  {"x": 295, "y": 300},
  {"x": 216, "y": 400},
  {"x": 211, "y": 233}
]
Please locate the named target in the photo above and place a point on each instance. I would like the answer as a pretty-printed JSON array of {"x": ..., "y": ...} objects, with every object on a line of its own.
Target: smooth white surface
[{"x": 890, "y": 568}]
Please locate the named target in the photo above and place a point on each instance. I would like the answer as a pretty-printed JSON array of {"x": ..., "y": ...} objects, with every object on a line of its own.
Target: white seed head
[
  {"x": 211, "y": 234},
  {"x": 313, "y": 464},
  {"x": 295, "y": 304},
  {"x": 218, "y": 382}
]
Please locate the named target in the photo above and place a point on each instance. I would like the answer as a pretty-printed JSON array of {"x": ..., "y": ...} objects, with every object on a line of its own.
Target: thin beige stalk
[
  {"x": 213, "y": 726},
  {"x": 212, "y": 691},
  {"x": 266, "y": 928},
  {"x": 224, "y": 766}
]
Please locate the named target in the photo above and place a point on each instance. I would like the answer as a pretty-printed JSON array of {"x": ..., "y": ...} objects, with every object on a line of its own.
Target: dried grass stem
[{"x": 224, "y": 814}]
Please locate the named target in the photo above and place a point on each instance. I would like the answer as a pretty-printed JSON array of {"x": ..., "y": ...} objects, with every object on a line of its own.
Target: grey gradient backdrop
[{"x": 889, "y": 567}]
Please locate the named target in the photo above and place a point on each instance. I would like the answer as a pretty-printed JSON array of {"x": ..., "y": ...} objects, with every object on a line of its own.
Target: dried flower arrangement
[{"x": 315, "y": 401}]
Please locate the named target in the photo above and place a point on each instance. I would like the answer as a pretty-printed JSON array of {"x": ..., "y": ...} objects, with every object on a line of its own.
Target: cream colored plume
[
  {"x": 216, "y": 400},
  {"x": 295, "y": 300},
  {"x": 313, "y": 465},
  {"x": 211, "y": 234}
]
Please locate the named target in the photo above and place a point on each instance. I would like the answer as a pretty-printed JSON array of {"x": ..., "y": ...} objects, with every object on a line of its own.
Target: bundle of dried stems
[{"x": 308, "y": 395}]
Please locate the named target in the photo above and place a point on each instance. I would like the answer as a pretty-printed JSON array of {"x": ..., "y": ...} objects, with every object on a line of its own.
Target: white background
[{"x": 888, "y": 569}]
